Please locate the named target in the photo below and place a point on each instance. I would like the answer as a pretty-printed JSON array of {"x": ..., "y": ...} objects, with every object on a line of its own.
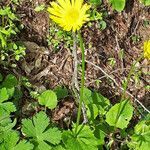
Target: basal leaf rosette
[{"x": 69, "y": 14}]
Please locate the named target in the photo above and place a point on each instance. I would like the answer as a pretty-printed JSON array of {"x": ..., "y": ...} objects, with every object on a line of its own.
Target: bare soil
[{"x": 46, "y": 69}]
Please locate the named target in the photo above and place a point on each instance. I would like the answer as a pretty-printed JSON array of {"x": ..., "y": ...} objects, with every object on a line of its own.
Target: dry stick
[
  {"x": 75, "y": 76},
  {"x": 75, "y": 61},
  {"x": 135, "y": 99}
]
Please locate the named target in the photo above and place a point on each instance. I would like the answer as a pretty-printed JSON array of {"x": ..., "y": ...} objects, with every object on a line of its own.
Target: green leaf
[
  {"x": 3, "y": 41},
  {"x": 118, "y": 4},
  {"x": 37, "y": 129},
  {"x": 101, "y": 131},
  {"x": 6, "y": 123},
  {"x": 85, "y": 140},
  {"x": 102, "y": 25},
  {"x": 40, "y": 8},
  {"x": 120, "y": 114},
  {"x": 92, "y": 111},
  {"x": 95, "y": 15},
  {"x": 10, "y": 81},
  {"x": 140, "y": 140},
  {"x": 61, "y": 92},
  {"x": 87, "y": 96},
  {"x": 145, "y": 2},
  {"x": 59, "y": 147},
  {"x": 48, "y": 98},
  {"x": 101, "y": 102},
  {"x": 3, "y": 95},
  {"x": 8, "y": 107},
  {"x": 95, "y": 2},
  {"x": 11, "y": 142},
  {"x": 10, "y": 92}
]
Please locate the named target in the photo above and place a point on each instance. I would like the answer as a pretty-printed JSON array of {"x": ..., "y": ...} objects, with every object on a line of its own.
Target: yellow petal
[{"x": 69, "y": 14}]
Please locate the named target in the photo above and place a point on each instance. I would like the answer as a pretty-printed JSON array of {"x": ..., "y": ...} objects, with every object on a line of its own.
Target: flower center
[{"x": 72, "y": 15}]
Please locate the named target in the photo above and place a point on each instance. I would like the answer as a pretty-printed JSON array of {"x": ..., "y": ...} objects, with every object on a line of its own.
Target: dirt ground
[{"x": 46, "y": 68}]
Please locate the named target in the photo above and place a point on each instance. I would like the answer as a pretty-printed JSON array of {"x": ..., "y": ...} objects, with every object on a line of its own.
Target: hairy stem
[{"x": 82, "y": 82}]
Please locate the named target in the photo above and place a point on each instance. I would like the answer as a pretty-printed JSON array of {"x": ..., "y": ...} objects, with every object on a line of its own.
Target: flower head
[
  {"x": 147, "y": 49},
  {"x": 69, "y": 14}
]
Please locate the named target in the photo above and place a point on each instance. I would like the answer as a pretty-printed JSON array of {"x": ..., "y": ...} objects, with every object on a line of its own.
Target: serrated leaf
[
  {"x": 10, "y": 91},
  {"x": 23, "y": 145},
  {"x": 10, "y": 81},
  {"x": 118, "y": 4},
  {"x": 59, "y": 147},
  {"x": 84, "y": 140},
  {"x": 6, "y": 123},
  {"x": 8, "y": 127},
  {"x": 140, "y": 140},
  {"x": 120, "y": 114},
  {"x": 36, "y": 129},
  {"x": 8, "y": 107},
  {"x": 48, "y": 98},
  {"x": 3, "y": 95},
  {"x": 11, "y": 142},
  {"x": 42, "y": 145}
]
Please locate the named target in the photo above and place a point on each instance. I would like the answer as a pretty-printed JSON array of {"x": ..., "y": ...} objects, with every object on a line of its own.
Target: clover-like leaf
[
  {"x": 36, "y": 129},
  {"x": 120, "y": 114},
  {"x": 48, "y": 98}
]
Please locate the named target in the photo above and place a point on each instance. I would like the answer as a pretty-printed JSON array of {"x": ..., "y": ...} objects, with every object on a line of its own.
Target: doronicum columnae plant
[{"x": 71, "y": 15}]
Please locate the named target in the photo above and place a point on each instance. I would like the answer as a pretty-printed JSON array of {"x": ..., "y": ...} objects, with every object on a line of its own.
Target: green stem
[
  {"x": 82, "y": 82},
  {"x": 129, "y": 76},
  {"x": 125, "y": 88}
]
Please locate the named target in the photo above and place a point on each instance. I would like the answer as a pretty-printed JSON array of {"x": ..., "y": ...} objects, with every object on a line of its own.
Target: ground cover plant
[{"x": 74, "y": 75}]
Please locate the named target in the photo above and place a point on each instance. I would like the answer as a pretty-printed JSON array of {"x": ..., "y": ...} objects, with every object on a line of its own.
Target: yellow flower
[
  {"x": 69, "y": 14},
  {"x": 147, "y": 49}
]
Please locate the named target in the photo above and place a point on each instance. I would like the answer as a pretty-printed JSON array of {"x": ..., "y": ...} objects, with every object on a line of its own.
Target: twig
[
  {"x": 135, "y": 99},
  {"x": 134, "y": 31},
  {"x": 75, "y": 61}
]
